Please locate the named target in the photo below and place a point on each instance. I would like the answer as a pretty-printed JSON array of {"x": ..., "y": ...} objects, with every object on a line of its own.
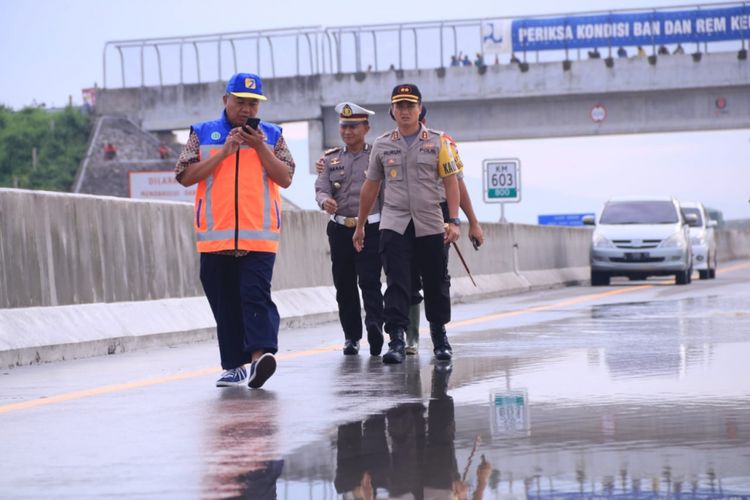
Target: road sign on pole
[{"x": 501, "y": 182}]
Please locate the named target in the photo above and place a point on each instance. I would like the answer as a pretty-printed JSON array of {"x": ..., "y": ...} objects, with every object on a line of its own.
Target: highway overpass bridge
[
  {"x": 490, "y": 103},
  {"x": 551, "y": 93}
]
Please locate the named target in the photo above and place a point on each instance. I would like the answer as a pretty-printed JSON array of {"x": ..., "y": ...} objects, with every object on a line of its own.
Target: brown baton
[{"x": 455, "y": 247}]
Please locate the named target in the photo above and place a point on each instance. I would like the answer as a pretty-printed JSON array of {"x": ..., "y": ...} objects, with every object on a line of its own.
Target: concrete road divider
[{"x": 85, "y": 275}]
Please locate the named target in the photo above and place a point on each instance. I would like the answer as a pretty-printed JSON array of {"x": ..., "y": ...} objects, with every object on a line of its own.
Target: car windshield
[
  {"x": 639, "y": 212},
  {"x": 697, "y": 212}
]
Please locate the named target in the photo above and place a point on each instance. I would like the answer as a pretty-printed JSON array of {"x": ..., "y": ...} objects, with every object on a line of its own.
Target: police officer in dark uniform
[
  {"x": 407, "y": 161},
  {"x": 337, "y": 190}
]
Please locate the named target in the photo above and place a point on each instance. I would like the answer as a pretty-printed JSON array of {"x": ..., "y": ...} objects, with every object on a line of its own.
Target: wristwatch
[{"x": 454, "y": 220}]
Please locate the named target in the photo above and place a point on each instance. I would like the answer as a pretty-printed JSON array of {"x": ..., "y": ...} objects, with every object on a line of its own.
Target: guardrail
[{"x": 312, "y": 50}]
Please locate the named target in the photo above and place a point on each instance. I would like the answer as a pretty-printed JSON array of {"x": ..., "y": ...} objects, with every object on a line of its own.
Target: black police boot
[
  {"x": 440, "y": 345},
  {"x": 440, "y": 375},
  {"x": 395, "y": 352},
  {"x": 351, "y": 346},
  {"x": 375, "y": 339}
]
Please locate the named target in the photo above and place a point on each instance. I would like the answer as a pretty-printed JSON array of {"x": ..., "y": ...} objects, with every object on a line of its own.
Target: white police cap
[{"x": 352, "y": 114}]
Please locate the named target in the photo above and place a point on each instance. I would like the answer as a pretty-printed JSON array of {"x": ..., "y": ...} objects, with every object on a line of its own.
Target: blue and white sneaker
[
  {"x": 261, "y": 370},
  {"x": 235, "y": 376}
]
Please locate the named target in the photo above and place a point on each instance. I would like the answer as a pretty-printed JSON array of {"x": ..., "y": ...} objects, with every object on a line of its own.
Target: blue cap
[{"x": 246, "y": 85}]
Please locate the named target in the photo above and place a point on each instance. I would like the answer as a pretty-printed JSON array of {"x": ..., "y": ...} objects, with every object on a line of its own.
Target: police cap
[
  {"x": 406, "y": 92},
  {"x": 352, "y": 114}
]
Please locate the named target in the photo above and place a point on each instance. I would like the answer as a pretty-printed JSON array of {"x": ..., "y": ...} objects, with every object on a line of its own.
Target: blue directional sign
[
  {"x": 641, "y": 28},
  {"x": 561, "y": 219}
]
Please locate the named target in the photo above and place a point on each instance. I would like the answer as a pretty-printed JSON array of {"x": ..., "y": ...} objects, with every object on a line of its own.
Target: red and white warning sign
[
  {"x": 598, "y": 113},
  {"x": 159, "y": 185}
]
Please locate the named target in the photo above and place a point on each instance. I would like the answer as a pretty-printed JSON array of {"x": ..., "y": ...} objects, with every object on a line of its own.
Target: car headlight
[
  {"x": 697, "y": 240},
  {"x": 600, "y": 241},
  {"x": 677, "y": 240}
]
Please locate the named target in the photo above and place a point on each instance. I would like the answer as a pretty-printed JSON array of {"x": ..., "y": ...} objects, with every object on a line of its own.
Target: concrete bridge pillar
[{"x": 315, "y": 142}]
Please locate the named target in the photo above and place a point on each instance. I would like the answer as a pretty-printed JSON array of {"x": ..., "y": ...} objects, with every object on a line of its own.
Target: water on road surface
[
  {"x": 641, "y": 399},
  {"x": 640, "y": 389}
]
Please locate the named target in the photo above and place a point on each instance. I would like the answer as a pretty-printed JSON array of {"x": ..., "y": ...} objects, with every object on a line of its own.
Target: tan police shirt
[
  {"x": 342, "y": 178},
  {"x": 410, "y": 175}
]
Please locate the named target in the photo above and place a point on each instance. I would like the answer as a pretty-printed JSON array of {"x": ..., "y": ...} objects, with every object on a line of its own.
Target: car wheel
[
  {"x": 683, "y": 277},
  {"x": 712, "y": 271},
  {"x": 704, "y": 275},
  {"x": 599, "y": 278}
]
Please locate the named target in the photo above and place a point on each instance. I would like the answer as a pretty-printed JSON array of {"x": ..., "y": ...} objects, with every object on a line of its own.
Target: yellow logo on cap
[
  {"x": 347, "y": 111},
  {"x": 405, "y": 90},
  {"x": 249, "y": 83}
]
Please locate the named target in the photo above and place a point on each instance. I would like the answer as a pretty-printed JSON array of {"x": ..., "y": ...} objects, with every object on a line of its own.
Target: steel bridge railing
[{"x": 314, "y": 50}]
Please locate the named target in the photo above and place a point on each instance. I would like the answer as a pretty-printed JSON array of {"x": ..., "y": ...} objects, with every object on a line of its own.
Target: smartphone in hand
[{"x": 252, "y": 123}]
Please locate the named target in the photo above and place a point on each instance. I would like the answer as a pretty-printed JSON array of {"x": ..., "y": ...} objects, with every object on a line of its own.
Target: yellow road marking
[
  {"x": 109, "y": 389},
  {"x": 563, "y": 303},
  {"x": 735, "y": 267}
]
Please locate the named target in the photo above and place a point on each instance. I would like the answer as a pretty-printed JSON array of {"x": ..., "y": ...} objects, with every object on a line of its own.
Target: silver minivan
[
  {"x": 702, "y": 239},
  {"x": 641, "y": 237}
]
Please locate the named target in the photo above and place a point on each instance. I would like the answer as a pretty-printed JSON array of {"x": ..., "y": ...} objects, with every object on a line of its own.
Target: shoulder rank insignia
[{"x": 331, "y": 151}]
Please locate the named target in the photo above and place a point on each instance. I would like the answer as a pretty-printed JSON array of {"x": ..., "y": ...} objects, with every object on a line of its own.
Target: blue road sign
[{"x": 561, "y": 219}]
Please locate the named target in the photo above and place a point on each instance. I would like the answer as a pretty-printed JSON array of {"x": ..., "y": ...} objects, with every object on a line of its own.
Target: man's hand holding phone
[
  {"x": 252, "y": 123},
  {"x": 250, "y": 134}
]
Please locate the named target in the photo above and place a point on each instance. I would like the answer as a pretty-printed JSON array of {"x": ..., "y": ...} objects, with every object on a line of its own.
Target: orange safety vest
[{"x": 237, "y": 207}]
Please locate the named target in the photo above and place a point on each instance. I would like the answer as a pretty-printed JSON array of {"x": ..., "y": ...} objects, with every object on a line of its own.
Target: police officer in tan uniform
[
  {"x": 337, "y": 190},
  {"x": 412, "y": 227},
  {"x": 476, "y": 235}
]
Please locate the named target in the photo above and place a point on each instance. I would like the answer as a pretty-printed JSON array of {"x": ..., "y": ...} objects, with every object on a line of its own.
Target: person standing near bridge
[
  {"x": 337, "y": 189},
  {"x": 476, "y": 235},
  {"x": 412, "y": 227},
  {"x": 239, "y": 164}
]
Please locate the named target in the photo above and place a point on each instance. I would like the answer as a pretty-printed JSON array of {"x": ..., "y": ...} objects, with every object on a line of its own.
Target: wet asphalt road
[{"x": 640, "y": 389}]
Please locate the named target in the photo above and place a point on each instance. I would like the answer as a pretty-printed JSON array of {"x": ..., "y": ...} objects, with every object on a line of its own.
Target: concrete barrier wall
[
  {"x": 60, "y": 249},
  {"x": 85, "y": 275},
  {"x": 733, "y": 244}
]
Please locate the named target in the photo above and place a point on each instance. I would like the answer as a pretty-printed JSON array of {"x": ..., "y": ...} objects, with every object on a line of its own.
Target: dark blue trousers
[
  {"x": 349, "y": 267},
  {"x": 239, "y": 292}
]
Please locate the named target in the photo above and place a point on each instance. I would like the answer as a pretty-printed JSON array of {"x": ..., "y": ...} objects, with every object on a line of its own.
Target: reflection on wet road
[
  {"x": 644, "y": 399},
  {"x": 635, "y": 391}
]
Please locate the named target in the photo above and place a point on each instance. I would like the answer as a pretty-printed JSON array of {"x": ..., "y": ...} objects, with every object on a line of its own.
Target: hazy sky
[{"x": 51, "y": 49}]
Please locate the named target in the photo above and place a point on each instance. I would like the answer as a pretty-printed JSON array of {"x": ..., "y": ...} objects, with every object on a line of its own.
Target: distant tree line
[{"x": 41, "y": 149}]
